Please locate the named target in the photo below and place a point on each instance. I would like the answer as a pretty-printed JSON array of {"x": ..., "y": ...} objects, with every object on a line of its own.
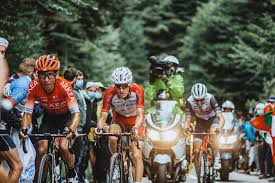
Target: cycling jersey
[
  {"x": 124, "y": 110},
  {"x": 60, "y": 101},
  {"x": 208, "y": 110}
]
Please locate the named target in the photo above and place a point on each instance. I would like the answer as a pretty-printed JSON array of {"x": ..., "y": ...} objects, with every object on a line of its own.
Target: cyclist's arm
[
  {"x": 140, "y": 117},
  {"x": 218, "y": 112},
  {"x": 29, "y": 106},
  {"x": 26, "y": 120},
  {"x": 106, "y": 106},
  {"x": 140, "y": 107},
  {"x": 75, "y": 121},
  {"x": 3, "y": 74},
  {"x": 102, "y": 120}
]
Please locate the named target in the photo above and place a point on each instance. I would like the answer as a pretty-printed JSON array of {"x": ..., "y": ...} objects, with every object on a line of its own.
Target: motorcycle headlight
[
  {"x": 232, "y": 139},
  {"x": 169, "y": 136},
  {"x": 153, "y": 135}
]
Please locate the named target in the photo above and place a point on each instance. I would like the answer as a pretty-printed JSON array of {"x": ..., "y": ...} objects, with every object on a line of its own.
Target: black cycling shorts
[
  {"x": 204, "y": 126},
  {"x": 54, "y": 123},
  {"x": 6, "y": 142}
]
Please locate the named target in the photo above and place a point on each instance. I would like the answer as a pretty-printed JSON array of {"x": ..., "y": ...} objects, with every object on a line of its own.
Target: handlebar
[
  {"x": 50, "y": 135},
  {"x": 202, "y": 134}
]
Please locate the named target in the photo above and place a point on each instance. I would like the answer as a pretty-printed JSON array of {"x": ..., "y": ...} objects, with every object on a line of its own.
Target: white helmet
[
  {"x": 170, "y": 59},
  {"x": 122, "y": 75},
  {"x": 228, "y": 104},
  {"x": 199, "y": 91},
  {"x": 259, "y": 109}
]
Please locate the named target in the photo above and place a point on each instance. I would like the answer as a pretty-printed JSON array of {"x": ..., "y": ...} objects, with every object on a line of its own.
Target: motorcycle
[
  {"x": 164, "y": 145},
  {"x": 229, "y": 145}
]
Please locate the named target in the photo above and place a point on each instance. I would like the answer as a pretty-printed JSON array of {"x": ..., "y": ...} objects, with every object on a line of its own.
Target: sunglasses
[
  {"x": 50, "y": 75},
  {"x": 199, "y": 100},
  {"x": 123, "y": 86}
]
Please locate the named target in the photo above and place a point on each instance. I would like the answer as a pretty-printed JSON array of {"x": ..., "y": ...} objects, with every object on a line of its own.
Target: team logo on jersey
[
  {"x": 33, "y": 84},
  {"x": 68, "y": 90}
]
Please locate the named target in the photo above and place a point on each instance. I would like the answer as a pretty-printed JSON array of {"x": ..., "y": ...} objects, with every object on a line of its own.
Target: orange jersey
[
  {"x": 60, "y": 101},
  {"x": 124, "y": 110}
]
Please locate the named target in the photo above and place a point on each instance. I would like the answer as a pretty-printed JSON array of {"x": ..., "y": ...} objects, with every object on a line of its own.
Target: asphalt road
[{"x": 235, "y": 177}]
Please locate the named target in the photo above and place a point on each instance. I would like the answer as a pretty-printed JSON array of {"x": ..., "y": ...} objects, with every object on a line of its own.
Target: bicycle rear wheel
[
  {"x": 116, "y": 169},
  {"x": 202, "y": 168},
  {"x": 45, "y": 174}
]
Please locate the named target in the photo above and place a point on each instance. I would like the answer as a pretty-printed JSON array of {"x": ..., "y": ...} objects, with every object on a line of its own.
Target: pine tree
[{"x": 230, "y": 47}]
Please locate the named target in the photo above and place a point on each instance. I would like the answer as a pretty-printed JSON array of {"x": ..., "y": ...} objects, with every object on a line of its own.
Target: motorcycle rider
[
  {"x": 165, "y": 74},
  {"x": 208, "y": 117},
  {"x": 229, "y": 106}
]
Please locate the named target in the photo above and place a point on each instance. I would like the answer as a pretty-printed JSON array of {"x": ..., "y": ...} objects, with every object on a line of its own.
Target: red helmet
[{"x": 47, "y": 63}]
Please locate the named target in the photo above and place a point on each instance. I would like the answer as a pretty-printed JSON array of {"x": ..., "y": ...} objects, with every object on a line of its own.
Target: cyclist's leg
[
  {"x": 215, "y": 144},
  {"x": 67, "y": 156},
  {"x": 137, "y": 156},
  {"x": 42, "y": 144},
  {"x": 196, "y": 148},
  {"x": 15, "y": 164},
  {"x": 201, "y": 126},
  {"x": 114, "y": 128},
  {"x": 214, "y": 138},
  {"x": 42, "y": 149},
  {"x": 4, "y": 175}
]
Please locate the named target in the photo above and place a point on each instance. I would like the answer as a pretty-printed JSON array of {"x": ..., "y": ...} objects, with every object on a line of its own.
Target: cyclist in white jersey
[{"x": 208, "y": 119}]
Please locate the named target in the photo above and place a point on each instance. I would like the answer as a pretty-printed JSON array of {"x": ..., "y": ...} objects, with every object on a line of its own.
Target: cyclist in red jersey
[
  {"x": 127, "y": 102},
  {"x": 56, "y": 96}
]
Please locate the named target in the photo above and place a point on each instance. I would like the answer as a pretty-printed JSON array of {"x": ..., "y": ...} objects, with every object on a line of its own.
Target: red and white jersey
[
  {"x": 60, "y": 101},
  {"x": 124, "y": 110}
]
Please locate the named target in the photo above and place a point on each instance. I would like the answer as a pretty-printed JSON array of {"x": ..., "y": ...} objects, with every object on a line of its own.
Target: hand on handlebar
[
  {"x": 98, "y": 131},
  {"x": 23, "y": 133},
  {"x": 186, "y": 131},
  {"x": 70, "y": 134}
]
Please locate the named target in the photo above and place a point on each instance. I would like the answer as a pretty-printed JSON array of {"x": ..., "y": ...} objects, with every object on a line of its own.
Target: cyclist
[
  {"x": 127, "y": 102},
  {"x": 7, "y": 147},
  {"x": 208, "y": 117},
  {"x": 56, "y": 96},
  {"x": 3, "y": 64}
]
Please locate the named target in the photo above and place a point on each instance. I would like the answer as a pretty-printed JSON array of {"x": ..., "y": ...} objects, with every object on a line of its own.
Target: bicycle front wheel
[
  {"x": 116, "y": 169},
  {"x": 202, "y": 168},
  {"x": 45, "y": 174}
]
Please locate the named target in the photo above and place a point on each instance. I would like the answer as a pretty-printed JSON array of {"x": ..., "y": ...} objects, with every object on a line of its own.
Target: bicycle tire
[
  {"x": 202, "y": 168},
  {"x": 116, "y": 165},
  {"x": 45, "y": 169},
  {"x": 129, "y": 171}
]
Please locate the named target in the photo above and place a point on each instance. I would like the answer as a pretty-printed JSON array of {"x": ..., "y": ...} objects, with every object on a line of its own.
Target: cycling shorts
[
  {"x": 127, "y": 128},
  {"x": 54, "y": 123},
  {"x": 204, "y": 126},
  {"x": 6, "y": 142}
]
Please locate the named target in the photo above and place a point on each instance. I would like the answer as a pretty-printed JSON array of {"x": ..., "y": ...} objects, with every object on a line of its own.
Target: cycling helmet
[
  {"x": 170, "y": 59},
  {"x": 199, "y": 91},
  {"x": 122, "y": 75},
  {"x": 228, "y": 104},
  {"x": 47, "y": 63}
]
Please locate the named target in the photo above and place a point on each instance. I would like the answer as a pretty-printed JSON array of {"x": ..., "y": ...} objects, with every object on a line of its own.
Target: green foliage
[{"x": 230, "y": 47}]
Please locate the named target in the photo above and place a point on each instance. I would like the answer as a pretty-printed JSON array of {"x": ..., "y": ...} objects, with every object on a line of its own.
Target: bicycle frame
[{"x": 124, "y": 173}]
